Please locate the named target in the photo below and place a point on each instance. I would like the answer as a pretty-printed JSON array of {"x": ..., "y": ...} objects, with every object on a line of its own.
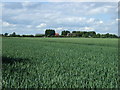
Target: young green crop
[{"x": 60, "y": 63}]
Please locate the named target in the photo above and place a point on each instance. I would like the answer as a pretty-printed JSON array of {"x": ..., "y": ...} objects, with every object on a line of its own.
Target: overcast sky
[{"x": 35, "y": 17}]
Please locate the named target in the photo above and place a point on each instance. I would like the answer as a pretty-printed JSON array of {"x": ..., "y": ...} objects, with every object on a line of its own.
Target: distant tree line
[
  {"x": 91, "y": 34},
  {"x": 51, "y": 33},
  {"x": 16, "y": 35}
]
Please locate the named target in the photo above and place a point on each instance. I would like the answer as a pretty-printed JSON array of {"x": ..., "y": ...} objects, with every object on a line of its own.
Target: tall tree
[
  {"x": 50, "y": 32},
  {"x": 6, "y": 34},
  {"x": 13, "y": 34}
]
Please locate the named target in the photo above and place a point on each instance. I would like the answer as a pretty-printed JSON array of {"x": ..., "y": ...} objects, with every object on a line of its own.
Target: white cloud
[
  {"x": 102, "y": 9},
  {"x": 101, "y": 22},
  {"x": 91, "y": 20},
  {"x": 71, "y": 19},
  {"x": 1, "y": 5},
  {"x": 6, "y": 24},
  {"x": 94, "y": 21},
  {"x": 87, "y": 29},
  {"x": 82, "y": 0},
  {"x": 98, "y": 10},
  {"x": 26, "y": 3},
  {"x": 59, "y": 28},
  {"x": 41, "y": 25},
  {"x": 29, "y": 26},
  {"x": 117, "y": 19}
]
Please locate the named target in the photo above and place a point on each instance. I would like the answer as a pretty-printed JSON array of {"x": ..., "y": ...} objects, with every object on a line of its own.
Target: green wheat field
[{"x": 59, "y": 63}]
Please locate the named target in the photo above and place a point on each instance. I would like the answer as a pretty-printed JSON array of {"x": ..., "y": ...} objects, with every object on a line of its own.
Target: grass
[{"x": 60, "y": 63}]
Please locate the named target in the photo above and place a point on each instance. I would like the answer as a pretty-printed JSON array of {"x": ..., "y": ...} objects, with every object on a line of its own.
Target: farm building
[{"x": 56, "y": 34}]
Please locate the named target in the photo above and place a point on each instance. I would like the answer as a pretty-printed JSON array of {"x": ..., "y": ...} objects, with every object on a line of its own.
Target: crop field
[{"x": 59, "y": 63}]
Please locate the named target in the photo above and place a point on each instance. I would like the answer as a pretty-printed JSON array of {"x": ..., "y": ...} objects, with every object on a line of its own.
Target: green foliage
[
  {"x": 13, "y": 34},
  {"x": 1, "y": 35},
  {"x": 60, "y": 63},
  {"x": 98, "y": 35},
  {"x": 6, "y": 34},
  {"x": 49, "y": 32},
  {"x": 64, "y": 33},
  {"x": 83, "y": 34},
  {"x": 77, "y": 34},
  {"x": 108, "y": 36}
]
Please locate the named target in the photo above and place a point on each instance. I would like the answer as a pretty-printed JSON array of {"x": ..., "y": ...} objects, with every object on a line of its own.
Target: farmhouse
[{"x": 56, "y": 34}]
